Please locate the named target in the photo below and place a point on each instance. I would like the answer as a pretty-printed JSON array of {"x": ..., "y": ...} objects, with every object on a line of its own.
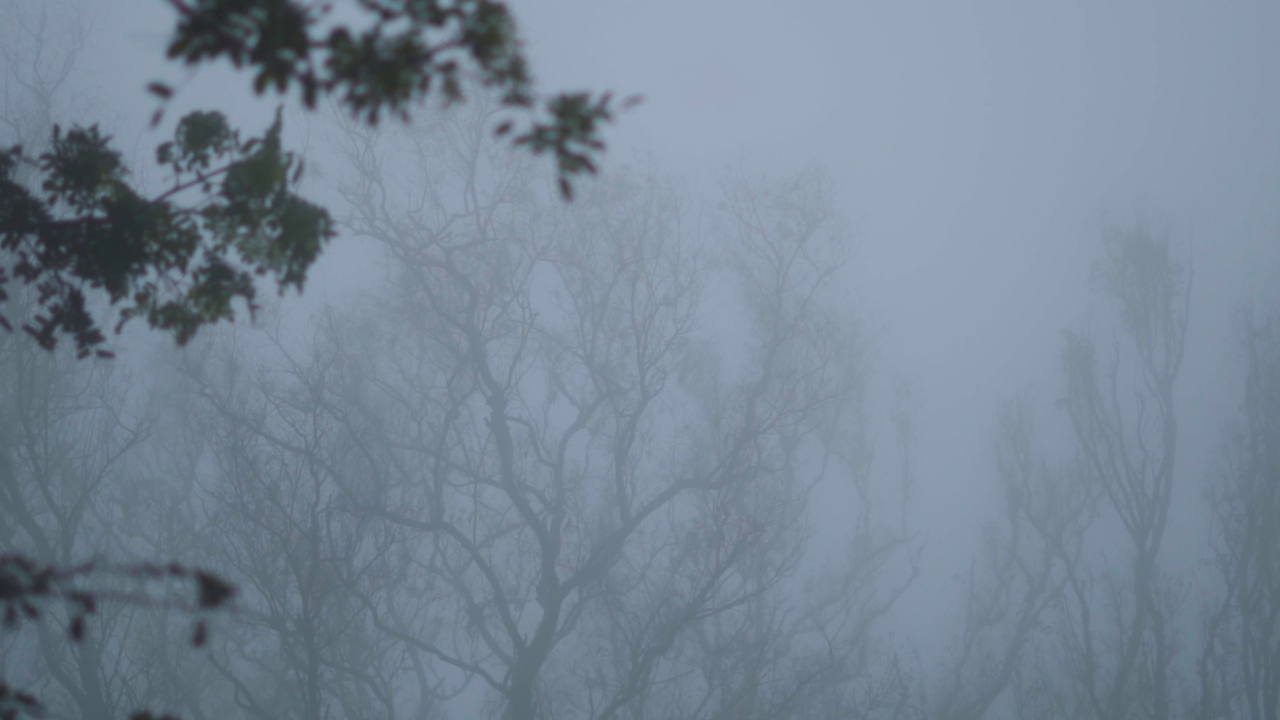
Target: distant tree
[
  {"x": 75, "y": 230},
  {"x": 76, "y": 573},
  {"x": 1028, "y": 554},
  {"x": 1239, "y": 666},
  {"x": 64, "y": 438},
  {"x": 591, "y": 519},
  {"x": 67, "y": 446},
  {"x": 1124, "y": 659},
  {"x": 229, "y": 213},
  {"x": 1070, "y": 614},
  {"x": 1114, "y": 643},
  {"x": 278, "y": 524}
]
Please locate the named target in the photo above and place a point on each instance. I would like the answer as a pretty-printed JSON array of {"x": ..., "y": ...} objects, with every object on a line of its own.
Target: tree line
[{"x": 526, "y": 478}]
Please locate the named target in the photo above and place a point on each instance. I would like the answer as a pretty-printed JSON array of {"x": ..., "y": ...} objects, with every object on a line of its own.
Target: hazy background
[{"x": 976, "y": 148}]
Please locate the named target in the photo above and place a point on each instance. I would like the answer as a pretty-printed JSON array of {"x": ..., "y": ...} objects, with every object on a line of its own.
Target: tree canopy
[
  {"x": 230, "y": 211},
  {"x": 77, "y": 228}
]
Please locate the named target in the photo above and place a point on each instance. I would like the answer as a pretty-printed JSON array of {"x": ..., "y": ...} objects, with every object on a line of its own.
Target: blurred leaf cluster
[
  {"x": 29, "y": 587},
  {"x": 181, "y": 259},
  {"x": 404, "y": 51}
]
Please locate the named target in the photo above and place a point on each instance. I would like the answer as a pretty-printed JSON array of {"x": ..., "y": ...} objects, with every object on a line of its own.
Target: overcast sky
[
  {"x": 975, "y": 147},
  {"x": 975, "y": 143}
]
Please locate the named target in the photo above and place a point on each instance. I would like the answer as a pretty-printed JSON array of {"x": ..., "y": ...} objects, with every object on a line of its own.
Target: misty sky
[{"x": 975, "y": 146}]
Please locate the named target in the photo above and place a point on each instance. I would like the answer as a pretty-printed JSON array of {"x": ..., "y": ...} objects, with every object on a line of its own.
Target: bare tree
[
  {"x": 589, "y": 496},
  {"x": 39, "y": 50},
  {"x": 1119, "y": 639},
  {"x": 77, "y": 549},
  {"x": 1239, "y": 667},
  {"x": 728, "y": 632},
  {"x": 1028, "y": 554},
  {"x": 65, "y": 436},
  {"x": 271, "y": 460}
]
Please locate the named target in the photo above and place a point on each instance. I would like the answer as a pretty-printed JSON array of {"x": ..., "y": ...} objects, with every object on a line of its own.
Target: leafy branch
[
  {"x": 177, "y": 266},
  {"x": 28, "y": 588}
]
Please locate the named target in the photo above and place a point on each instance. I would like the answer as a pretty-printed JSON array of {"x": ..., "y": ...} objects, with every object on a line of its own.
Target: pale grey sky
[{"x": 975, "y": 146}]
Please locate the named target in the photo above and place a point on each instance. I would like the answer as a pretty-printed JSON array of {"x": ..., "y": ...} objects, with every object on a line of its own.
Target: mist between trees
[{"x": 561, "y": 462}]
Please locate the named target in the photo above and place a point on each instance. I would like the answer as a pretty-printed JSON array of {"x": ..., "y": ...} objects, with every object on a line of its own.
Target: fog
[{"x": 903, "y": 360}]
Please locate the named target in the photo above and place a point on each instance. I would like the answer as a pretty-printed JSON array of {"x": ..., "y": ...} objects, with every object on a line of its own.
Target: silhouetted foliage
[
  {"x": 181, "y": 259},
  {"x": 177, "y": 267},
  {"x": 229, "y": 213},
  {"x": 28, "y": 588}
]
